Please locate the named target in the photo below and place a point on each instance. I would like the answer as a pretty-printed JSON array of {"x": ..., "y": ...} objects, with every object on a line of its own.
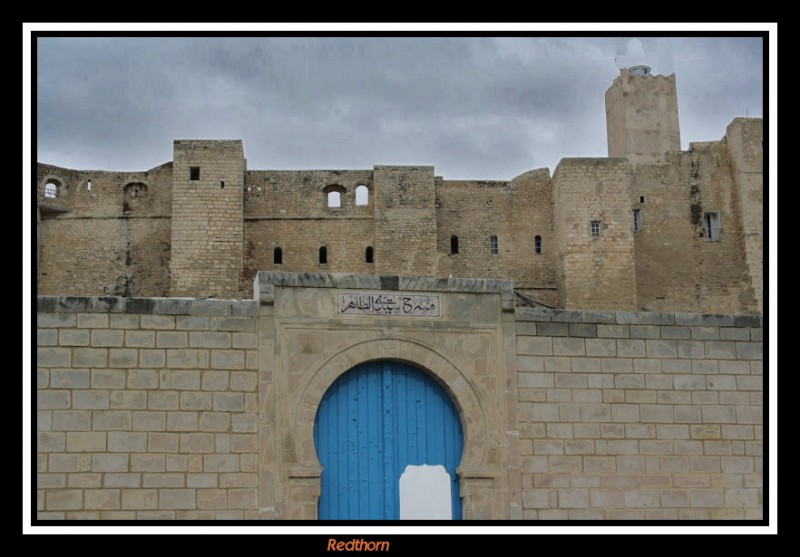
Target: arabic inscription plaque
[{"x": 378, "y": 303}]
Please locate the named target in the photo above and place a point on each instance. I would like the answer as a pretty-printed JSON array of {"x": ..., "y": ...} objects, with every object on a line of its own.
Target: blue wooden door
[{"x": 372, "y": 422}]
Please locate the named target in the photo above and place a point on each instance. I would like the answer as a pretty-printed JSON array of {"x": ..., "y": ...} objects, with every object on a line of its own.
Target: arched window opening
[
  {"x": 323, "y": 255},
  {"x": 453, "y": 245},
  {"x": 362, "y": 195},
  {"x": 277, "y": 256},
  {"x": 333, "y": 195},
  {"x": 493, "y": 244},
  {"x": 370, "y": 254},
  {"x": 135, "y": 189},
  {"x": 334, "y": 199},
  {"x": 51, "y": 190},
  {"x": 537, "y": 247}
]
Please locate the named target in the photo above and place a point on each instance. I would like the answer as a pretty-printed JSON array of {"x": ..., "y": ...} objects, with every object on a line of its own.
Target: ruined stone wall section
[
  {"x": 207, "y": 218},
  {"x": 594, "y": 272},
  {"x": 516, "y": 213},
  {"x": 640, "y": 416},
  {"x": 146, "y": 409},
  {"x": 105, "y": 232}
]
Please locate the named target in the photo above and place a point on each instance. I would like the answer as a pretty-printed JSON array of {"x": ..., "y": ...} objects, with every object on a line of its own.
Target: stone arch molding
[{"x": 466, "y": 399}]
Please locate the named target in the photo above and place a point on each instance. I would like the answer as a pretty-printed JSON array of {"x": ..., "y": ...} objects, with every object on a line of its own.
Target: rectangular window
[
  {"x": 637, "y": 220},
  {"x": 194, "y": 172},
  {"x": 711, "y": 229},
  {"x": 595, "y": 228},
  {"x": 493, "y": 245},
  {"x": 453, "y": 245}
]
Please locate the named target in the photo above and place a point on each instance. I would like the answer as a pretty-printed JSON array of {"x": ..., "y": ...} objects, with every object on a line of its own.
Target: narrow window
[
  {"x": 334, "y": 199},
  {"x": 277, "y": 256},
  {"x": 323, "y": 255},
  {"x": 222, "y": 184},
  {"x": 50, "y": 190},
  {"x": 641, "y": 199},
  {"x": 493, "y": 244},
  {"x": 453, "y": 245},
  {"x": 712, "y": 231},
  {"x": 194, "y": 172},
  {"x": 88, "y": 185},
  {"x": 537, "y": 244},
  {"x": 362, "y": 195},
  {"x": 370, "y": 254},
  {"x": 637, "y": 220},
  {"x": 595, "y": 228}
]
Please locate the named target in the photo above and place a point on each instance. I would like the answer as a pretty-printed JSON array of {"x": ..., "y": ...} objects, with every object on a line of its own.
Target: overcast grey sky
[{"x": 481, "y": 108}]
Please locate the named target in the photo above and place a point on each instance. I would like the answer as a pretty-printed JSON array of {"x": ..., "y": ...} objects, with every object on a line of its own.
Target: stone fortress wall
[{"x": 161, "y": 232}]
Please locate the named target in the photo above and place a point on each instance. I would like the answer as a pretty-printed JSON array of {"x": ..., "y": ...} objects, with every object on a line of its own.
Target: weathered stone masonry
[
  {"x": 642, "y": 400},
  {"x": 156, "y": 408},
  {"x": 203, "y": 224}
]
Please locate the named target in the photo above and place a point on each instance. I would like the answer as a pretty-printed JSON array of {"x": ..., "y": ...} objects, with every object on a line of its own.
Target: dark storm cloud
[{"x": 473, "y": 107}]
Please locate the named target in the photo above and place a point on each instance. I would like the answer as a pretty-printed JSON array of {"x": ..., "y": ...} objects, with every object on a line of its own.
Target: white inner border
[{"x": 541, "y": 528}]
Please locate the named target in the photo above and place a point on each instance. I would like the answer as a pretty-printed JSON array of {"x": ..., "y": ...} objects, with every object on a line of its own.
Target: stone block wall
[
  {"x": 207, "y": 218},
  {"x": 745, "y": 140},
  {"x": 405, "y": 220},
  {"x": 289, "y": 210},
  {"x": 146, "y": 409},
  {"x": 178, "y": 408},
  {"x": 676, "y": 267},
  {"x": 640, "y": 415},
  {"x": 596, "y": 272},
  {"x": 107, "y": 233},
  {"x": 516, "y": 212},
  {"x": 299, "y": 194}
]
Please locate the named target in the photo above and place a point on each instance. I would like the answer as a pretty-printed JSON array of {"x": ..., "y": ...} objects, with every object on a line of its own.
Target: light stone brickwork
[
  {"x": 594, "y": 271},
  {"x": 159, "y": 232},
  {"x": 112, "y": 239},
  {"x": 641, "y": 416},
  {"x": 179, "y": 408},
  {"x": 642, "y": 117},
  {"x": 146, "y": 409},
  {"x": 207, "y": 218}
]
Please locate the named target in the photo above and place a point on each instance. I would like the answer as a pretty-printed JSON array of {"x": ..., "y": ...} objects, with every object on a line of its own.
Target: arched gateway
[{"x": 375, "y": 421}]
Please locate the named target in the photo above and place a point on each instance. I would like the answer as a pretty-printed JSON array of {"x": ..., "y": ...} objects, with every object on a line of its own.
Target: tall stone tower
[
  {"x": 642, "y": 116},
  {"x": 207, "y": 218}
]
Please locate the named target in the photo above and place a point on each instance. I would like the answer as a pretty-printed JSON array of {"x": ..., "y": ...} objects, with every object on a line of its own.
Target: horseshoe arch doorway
[{"x": 373, "y": 422}]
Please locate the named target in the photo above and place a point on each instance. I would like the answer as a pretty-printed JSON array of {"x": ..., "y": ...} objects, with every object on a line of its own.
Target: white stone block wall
[
  {"x": 640, "y": 415},
  {"x": 146, "y": 410}
]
